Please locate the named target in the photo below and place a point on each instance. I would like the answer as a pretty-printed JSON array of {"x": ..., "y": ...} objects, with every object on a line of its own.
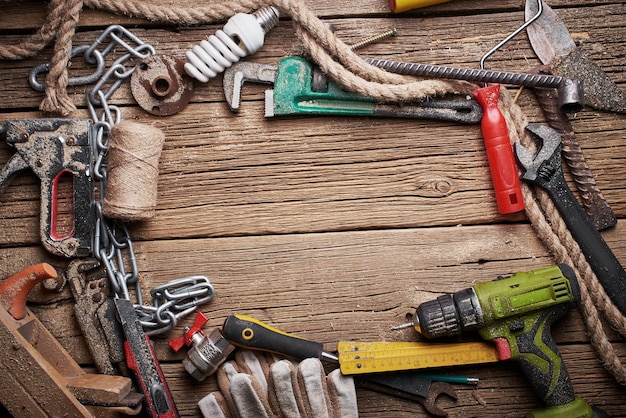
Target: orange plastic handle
[{"x": 15, "y": 289}]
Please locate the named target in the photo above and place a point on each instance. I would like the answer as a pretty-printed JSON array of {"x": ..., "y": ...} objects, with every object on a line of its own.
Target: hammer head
[{"x": 550, "y": 148}]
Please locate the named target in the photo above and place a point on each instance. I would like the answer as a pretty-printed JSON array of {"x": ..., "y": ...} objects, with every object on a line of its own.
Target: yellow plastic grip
[
  {"x": 248, "y": 332},
  {"x": 399, "y": 6}
]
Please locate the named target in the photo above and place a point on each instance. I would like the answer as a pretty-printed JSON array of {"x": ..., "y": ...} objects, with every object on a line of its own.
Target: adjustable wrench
[
  {"x": 427, "y": 399},
  {"x": 545, "y": 170},
  {"x": 298, "y": 89}
]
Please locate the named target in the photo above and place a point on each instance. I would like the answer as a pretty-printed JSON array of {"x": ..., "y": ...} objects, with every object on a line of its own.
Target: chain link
[{"x": 112, "y": 244}]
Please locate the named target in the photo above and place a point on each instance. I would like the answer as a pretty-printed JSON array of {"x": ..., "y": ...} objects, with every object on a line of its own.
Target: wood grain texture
[{"x": 334, "y": 228}]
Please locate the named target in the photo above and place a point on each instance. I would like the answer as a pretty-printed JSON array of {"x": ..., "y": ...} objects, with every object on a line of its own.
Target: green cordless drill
[{"x": 516, "y": 312}]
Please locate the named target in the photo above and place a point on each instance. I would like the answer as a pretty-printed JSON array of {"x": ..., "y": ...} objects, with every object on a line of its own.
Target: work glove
[{"x": 258, "y": 385}]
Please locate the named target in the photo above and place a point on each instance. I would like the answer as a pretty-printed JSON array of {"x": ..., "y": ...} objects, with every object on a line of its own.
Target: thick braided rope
[
  {"x": 319, "y": 41},
  {"x": 180, "y": 15},
  {"x": 57, "y": 99},
  {"x": 37, "y": 41},
  {"x": 551, "y": 229},
  {"x": 351, "y": 71}
]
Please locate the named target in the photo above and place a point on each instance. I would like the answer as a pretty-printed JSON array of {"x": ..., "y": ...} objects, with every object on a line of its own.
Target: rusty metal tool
[
  {"x": 95, "y": 312},
  {"x": 38, "y": 375},
  {"x": 428, "y": 401},
  {"x": 555, "y": 47},
  {"x": 545, "y": 169},
  {"x": 55, "y": 149},
  {"x": 570, "y": 90},
  {"x": 142, "y": 360},
  {"x": 594, "y": 203},
  {"x": 207, "y": 353},
  {"x": 160, "y": 85},
  {"x": 296, "y": 91},
  {"x": 506, "y": 183}
]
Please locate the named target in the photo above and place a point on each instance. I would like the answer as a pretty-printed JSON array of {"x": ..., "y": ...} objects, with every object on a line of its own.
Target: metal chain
[{"x": 112, "y": 244}]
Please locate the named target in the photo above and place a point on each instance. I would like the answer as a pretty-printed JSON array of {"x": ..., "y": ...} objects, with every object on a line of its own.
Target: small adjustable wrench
[
  {"x": 407, "y": 385},
  {"x": 298, "y": 90},
  {"x": 545, "y": 169}
]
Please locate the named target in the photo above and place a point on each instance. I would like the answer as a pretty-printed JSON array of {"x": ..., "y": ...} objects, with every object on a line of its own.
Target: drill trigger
[{"x": 503, "y": 349}]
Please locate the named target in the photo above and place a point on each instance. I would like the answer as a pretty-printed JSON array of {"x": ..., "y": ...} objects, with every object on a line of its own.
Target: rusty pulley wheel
[{"x": 160, "y": 85}]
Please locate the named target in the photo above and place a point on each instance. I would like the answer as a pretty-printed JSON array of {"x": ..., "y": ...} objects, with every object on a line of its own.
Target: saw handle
[{"x": 499, "y": 152}]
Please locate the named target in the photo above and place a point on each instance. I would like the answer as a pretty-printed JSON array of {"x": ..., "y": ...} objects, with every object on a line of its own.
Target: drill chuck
[{"x": 449, "y": 315}]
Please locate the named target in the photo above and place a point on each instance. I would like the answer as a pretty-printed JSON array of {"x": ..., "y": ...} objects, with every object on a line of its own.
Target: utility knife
[{"x": 555, "y": 47}]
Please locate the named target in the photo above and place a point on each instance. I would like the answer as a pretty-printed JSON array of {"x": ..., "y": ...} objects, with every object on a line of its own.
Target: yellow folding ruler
[{"x": 377, "y": 357}]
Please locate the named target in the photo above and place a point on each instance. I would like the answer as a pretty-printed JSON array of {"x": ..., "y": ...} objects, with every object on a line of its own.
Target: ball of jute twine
[
  {"x": 344, "y": 66},
  {"x": 132, "y": 171}
]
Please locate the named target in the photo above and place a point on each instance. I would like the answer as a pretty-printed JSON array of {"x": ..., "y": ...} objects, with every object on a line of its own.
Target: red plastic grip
[
  {"x": 503, "y": 348},
  {"x": 502, "y": 163}
]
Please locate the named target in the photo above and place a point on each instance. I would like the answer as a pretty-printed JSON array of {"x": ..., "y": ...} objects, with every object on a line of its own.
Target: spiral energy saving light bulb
[{"x": 242, "y": 35}]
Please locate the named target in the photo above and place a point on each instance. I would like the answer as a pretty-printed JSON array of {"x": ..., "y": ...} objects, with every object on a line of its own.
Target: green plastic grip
[{"x": 539, "y": 298}]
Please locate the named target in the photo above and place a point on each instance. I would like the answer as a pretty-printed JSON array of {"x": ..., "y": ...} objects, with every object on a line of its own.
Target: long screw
[
  {"x": 570, "y": 90},
  {"x": 373, "y": 39},
  {"x": 319, "y": 80}
]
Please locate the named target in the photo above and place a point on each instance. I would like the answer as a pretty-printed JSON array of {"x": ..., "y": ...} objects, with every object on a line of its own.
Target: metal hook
[
  {"x": 73, "y": 81},
  {"x": 513, "y": 34}
]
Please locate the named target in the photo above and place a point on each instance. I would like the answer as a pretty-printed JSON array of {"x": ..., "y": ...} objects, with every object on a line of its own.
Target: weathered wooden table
[{"x": 336, "y": 228}]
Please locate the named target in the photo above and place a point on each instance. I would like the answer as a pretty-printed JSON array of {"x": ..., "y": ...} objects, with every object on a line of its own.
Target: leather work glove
[{"x": 257, "y": 385}]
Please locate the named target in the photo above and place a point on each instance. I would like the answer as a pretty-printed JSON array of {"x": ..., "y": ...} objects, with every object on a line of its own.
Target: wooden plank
[
  {"x": 370, "y": 280},
  {"x": 333, "y": 228},
  {"x": 276, "y": 177},
  {"x": 30, "y": 14},
  {"x": 431, "y": 40}
]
